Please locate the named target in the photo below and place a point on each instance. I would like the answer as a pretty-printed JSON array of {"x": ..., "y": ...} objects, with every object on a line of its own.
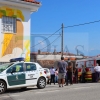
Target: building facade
[{"x": 15, "y": 28}]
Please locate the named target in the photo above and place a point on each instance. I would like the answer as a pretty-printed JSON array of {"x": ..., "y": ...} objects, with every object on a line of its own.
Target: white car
[
  {"x": 21, "y": 75},
  {"x": 47, "y": 74}
]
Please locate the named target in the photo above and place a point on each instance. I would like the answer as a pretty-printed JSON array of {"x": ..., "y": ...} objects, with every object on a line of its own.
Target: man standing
[
  {"x": 62, "y": 66},
  {"x": 93, "y": 73},
  {"x": 76, "y": 73},
  {"x": 69, "y": 73},
  {"x": 97, "y": 70},
  {"x": 83, "y": 74},
  {"x": 52, "y": 72}
]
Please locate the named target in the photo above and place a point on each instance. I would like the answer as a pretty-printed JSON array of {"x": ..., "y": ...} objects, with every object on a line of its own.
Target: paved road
[{"x": 87, "y": 91}]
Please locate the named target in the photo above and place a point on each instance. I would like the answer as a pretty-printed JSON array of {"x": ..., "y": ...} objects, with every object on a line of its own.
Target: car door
[
  {"x": 31, "y": 73},
  {"x": 16, "y": 75}
]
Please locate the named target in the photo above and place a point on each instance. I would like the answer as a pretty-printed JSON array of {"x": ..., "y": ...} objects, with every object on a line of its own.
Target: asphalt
[{"x": 86, "y": 91}]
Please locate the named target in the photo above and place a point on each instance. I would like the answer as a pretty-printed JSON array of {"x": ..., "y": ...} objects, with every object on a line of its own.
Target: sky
[{"x": 49, "y": 18}]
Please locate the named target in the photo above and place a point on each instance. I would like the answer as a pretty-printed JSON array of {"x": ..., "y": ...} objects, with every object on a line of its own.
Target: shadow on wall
[{"x": 44, "y": 63}]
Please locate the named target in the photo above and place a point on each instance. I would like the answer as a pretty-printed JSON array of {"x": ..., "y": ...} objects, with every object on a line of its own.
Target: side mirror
[{"x": 13, "y": 71}]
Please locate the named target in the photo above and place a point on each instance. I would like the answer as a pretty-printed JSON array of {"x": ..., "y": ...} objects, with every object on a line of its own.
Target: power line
[
  {"x": 44, "y": 34},
  {"x": 50, "y": 43},
  {"x": 83, "y": 24},
  {"x": 46, "y": 38}
]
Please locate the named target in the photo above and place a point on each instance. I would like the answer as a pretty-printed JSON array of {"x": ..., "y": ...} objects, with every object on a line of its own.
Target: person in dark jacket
[
  {"x": 83, "y": 73},
  {"x": 76, "y": 73},
  {"x": 69, "y": 73}
]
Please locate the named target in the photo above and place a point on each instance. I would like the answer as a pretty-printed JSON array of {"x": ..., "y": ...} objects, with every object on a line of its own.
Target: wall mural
[
  {"x": 14, "y": 44},
  {"x": 6, "y": 11}
]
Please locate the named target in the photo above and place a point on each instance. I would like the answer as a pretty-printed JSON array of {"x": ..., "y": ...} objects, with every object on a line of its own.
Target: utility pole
[{"x": 62, "y": 40}]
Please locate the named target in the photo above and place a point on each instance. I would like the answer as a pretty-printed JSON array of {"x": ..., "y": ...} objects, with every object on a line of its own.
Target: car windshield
[{"x": 4, "y": 66}]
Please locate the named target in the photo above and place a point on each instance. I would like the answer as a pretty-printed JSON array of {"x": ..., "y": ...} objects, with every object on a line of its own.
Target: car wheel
[
  {"x": 2, "y": 87},
  {"x": 41, "y": 83}
]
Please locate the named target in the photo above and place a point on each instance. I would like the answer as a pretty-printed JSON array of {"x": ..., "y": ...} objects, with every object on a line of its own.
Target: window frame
[
  {"x": 30, "y": 70},
  {"x": 13, "y": 23},
  {"x": 15, "y": 65}
]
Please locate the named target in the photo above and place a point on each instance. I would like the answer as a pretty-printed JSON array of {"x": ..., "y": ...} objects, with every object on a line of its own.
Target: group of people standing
[
  {"x": 63, "y": 73},
  {"x": 95, "y": 72},
  {"x": 54, "y": 75}
]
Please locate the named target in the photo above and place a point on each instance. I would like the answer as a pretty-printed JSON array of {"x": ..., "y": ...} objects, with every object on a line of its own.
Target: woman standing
[{"x": 56, "y": 76}]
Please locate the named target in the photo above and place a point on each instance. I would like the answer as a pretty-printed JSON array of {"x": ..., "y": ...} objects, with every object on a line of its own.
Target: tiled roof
[{"x": 31, "y": 1}]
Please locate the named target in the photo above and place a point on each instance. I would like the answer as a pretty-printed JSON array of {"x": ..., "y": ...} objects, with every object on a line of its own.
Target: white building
[{"x": 15, "y": 28}]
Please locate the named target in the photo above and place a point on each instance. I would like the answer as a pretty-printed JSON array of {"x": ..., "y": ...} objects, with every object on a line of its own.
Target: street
[{"x": 87, "y": 91}]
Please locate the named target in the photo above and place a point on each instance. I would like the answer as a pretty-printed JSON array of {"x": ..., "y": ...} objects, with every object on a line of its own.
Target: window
[
  {"x": 16, "y": 68},
  {"x": 30, "y": 67},
  {"x": 8, "y": 24},
  {"x": 4, "y": 66}
]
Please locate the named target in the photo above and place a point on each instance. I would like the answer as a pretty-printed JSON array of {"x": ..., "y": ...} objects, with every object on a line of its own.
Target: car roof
[{"x": 25, "y": 62}]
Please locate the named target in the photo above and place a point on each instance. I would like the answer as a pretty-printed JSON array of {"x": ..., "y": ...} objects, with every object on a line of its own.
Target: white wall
[
  {"x": 54, "y": 57},
  {"x": 26, "y": 41}
]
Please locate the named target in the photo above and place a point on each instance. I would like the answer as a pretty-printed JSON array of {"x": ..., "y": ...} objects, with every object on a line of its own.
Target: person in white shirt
[
  {"x": 97, "y": 70},
  {"x": 52, "y": 72}
]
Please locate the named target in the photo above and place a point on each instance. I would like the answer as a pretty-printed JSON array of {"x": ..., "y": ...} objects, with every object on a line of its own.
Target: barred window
[{"x": 8, "y": 24}]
